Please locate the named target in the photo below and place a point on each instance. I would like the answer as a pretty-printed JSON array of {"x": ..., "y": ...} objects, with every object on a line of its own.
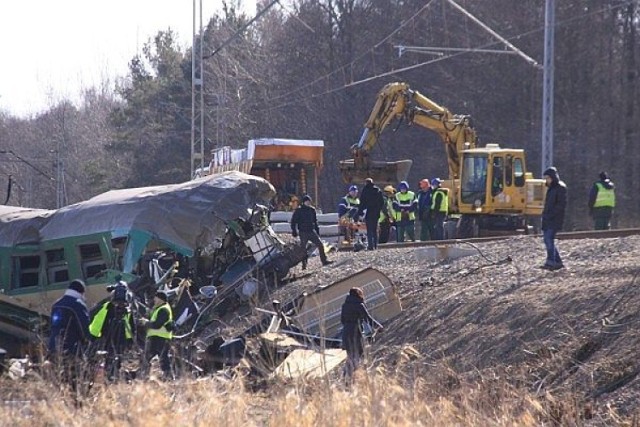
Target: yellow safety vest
[
  {"x": 95, "y": 327},
  {"x": 444, "y": 205},
  {"x": 389, "y": 203},
  {"x": 162, "y": 331},
  {"x": 352, "y": 202},
  {"x": 405, "y": 199},
  {"x": 606, "y": 197}
]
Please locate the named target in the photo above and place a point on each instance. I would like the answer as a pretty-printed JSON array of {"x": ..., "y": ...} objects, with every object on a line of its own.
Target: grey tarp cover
[
  {"x": 188, "y": 215},
  {"x": 21, "y": 225}
]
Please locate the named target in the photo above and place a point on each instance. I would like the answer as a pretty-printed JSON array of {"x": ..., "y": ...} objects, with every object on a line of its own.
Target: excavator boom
[{"x": 396, "y": 101}]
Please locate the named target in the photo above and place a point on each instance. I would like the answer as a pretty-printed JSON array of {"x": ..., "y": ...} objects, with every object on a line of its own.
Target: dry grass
[{"x": 375, "y": 399}]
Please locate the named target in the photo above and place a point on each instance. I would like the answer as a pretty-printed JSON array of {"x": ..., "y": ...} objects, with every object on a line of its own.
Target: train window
[
  {"x": 91, "y": 258},
  {"x": 57, "y": 268},
  {"x": 26, "y": 271},
  {"x": 119, "y": 244}
]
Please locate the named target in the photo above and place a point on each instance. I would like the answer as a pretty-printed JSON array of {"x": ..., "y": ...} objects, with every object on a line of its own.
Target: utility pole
[
  {"x": 547, "y": 86},
  {"x": 197, "y": 96},
  {"x": 61, "y": 189}
]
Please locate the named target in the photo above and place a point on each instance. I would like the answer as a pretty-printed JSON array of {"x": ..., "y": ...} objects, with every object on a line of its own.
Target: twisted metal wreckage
[{"x": 207, "y": 242}]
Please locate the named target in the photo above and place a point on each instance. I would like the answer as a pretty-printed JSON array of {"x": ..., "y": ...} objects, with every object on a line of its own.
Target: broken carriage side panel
[
  {"x": 308, "y": 364},
  {"x": 319, "y": 312},
  {"x": 180, "y": 215}
]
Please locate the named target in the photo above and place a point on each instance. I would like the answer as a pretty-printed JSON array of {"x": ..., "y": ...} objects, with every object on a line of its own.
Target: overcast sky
[{"x": 51, "y": 49}]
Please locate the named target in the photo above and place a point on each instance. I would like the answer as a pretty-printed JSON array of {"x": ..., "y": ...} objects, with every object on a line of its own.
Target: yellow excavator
[{"x": 489, "y": 187}]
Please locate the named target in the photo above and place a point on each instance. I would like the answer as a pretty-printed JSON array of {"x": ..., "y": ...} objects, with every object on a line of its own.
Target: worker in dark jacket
[
  {"x": 159, "y": 334},
  {"x": 602, "y": 200},
  {"x": 304, "y": 222},
  {"x": 354, "y": 315},
  {"x": 553, "y": 216},
  {"x": 69, "y": 321},
  {"x": 69, "y": 331},
  {"x": 424, "y": 209},
  {"x": 371, "y": 201},
  {"x": 112, "y": 328}
]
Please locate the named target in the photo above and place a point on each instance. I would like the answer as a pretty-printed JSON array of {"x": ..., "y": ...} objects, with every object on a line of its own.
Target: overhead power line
[
  {"x": 241, "y": 30},
  {"x": 422, "y": 64},
  {"x": 23, "y": 160}
]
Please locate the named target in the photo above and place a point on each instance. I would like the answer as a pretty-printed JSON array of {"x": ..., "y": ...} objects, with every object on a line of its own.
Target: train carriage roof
[{"x": 188, "y": 214}]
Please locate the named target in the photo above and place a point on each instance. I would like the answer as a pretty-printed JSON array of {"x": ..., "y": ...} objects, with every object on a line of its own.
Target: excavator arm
[{"x": 398, "y": 101}]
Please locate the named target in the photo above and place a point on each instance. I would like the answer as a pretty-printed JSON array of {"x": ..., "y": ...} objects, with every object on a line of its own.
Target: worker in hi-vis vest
[
  {"x": 159, "y": 334},
  {"x": 111, "y": 329},
  {"x": 602, "y": 200}
]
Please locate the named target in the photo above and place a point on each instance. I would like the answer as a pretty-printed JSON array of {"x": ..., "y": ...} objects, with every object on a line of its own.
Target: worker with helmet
[
  {"x": 439, "y": 208},
  {"x": 159, "y": 334},
  {"x": 424, "y": 209},
  {"x": 112, "y": 328},
  {"x": 387, "y": 215},
  {"x": 405, "y": 206},
  {"x": 348, "y": 212}
]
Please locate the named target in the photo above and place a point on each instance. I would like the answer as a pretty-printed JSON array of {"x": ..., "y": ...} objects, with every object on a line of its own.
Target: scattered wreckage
[
  {"x": 207, "y": 242},
  {"x": 213, "y": 230}
]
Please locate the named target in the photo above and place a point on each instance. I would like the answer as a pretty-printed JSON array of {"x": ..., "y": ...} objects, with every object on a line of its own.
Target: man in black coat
[
  {"x": 553, "y": 216},
  {"x": 372, "y": 201},
  {"x": 354, "y": 314},
  {"x": 304, "y": 222}
]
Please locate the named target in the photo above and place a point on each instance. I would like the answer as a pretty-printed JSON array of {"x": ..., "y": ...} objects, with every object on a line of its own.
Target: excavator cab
[{"x": 496, "y": 190}]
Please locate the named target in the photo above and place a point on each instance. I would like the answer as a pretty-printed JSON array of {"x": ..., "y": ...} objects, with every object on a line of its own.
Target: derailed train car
[{"x": 213, "y": 231}]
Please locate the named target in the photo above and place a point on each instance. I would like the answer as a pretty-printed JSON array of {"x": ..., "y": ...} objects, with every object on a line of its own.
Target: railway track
[{"x": 569, "y": 235}]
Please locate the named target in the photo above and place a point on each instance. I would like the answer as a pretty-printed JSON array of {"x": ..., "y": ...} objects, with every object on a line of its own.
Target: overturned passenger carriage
[{"x": 213, "y": 230}]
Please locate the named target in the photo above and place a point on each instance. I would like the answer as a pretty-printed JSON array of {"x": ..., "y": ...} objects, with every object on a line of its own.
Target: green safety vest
[
  {"x": 405, "y": 199},
  {"x": 162, "y": 331},
  {"x": 444, "y": 205},
  {"x": 606, "y": 197},
  {"x": 95, "y": 327},
  {"x": 352, "y": 202}
]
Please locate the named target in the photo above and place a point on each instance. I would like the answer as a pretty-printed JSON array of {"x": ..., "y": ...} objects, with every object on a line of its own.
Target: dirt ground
[{"x": 496, "y": 312}]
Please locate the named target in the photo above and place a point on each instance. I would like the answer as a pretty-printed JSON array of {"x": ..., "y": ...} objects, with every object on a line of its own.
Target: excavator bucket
[{"x": 382, "y": 173}]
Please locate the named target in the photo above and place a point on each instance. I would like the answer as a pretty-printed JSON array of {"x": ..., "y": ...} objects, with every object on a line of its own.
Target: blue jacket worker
[
  {"x": 69, "y": 322},
  {"x": 404, "y": 207}
]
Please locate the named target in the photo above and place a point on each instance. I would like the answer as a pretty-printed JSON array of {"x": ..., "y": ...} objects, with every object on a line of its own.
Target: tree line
[{"x": 312, "y": 69}]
